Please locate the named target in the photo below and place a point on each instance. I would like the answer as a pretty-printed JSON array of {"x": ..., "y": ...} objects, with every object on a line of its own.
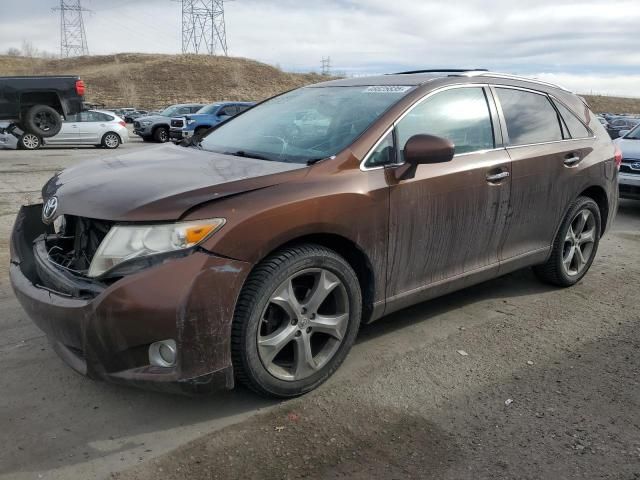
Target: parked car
[
  {"x": 156, "y": 127},
  {"x": 205, "y": 118},
  {"x": 629, "y": 178},
  {"x": 255, "y": 254},
  {"x": 38, "y": 104},
  {"x": 621, "y": 123},
  {"x": 131, "y": 116},
  {"x": 92, "y": 127}
]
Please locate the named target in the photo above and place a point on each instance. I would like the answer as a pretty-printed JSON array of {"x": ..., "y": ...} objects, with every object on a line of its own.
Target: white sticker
[{"x": 387, "y": 89}]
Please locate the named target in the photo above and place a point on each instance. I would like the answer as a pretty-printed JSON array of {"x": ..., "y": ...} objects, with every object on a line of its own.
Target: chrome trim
[
  {"x": 508, "y": 76},
  {"x": 549, "y": 143}
]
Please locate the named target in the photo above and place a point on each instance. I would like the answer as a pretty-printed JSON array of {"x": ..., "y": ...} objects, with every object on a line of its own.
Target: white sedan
[{"x": 91, "y": 127}]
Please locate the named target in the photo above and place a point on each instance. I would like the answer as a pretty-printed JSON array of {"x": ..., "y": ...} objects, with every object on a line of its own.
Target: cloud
[{"x": 587, "y": 42}]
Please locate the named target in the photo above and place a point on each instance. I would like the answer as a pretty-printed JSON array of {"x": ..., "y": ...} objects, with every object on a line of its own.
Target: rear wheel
[
  {"x": 575, "y": 245},
  {"x": 110, "y": 140},
  {"x": 161, "y": 135},
  {"x": 295, "y": 321},
  {"x": 29, "y": 141},
  {"x": 42, "y": 121}
]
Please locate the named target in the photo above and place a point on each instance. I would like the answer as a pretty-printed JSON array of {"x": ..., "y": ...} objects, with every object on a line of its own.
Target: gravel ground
[{"x": 406, "y": 403}]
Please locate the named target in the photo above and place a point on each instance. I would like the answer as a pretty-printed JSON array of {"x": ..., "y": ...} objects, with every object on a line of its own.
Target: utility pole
[
  {"x": 203, "y": 27},
  {"x": 73, "y": 37},
  {"x": 326, "y": 66}
]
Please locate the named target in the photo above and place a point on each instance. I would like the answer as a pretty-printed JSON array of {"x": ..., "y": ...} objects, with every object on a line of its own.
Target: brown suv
[{"x": 256, "y": 254}]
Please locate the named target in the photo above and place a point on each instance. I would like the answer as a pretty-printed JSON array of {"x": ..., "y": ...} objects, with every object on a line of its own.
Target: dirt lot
[{"x": 406, "y": 403}]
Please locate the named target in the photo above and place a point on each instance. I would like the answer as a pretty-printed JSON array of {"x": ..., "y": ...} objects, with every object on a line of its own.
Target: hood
[
  {"x": 630, "y": 148},
  {"x": 198, "y": 116},
  {"x": 159, "y": 183},
  {"x": 153, "y": 118}
]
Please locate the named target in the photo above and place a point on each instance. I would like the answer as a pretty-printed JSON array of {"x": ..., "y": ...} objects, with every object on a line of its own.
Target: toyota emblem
[{"x": 49, "y": 210}]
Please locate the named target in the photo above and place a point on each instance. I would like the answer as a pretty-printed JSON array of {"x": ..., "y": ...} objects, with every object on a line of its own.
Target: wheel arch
[
  {"x": 352, "y": 253},
  {"x": 599, "y": 195},
  {"x": 50, "y": 98},
  {"x": 107, "y": 133}
]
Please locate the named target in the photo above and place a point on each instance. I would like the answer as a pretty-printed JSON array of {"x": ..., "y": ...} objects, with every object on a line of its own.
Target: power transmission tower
[
  {"x": 203, "y": 27},
  {"x": 73, "y": 37},
  {"x": 326, "y": 66}
]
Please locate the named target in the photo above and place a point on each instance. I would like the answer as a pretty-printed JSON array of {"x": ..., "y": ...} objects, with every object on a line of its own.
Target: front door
[
  {"x": 448, "y": 220},
  {"x": 70, "y": 131}
]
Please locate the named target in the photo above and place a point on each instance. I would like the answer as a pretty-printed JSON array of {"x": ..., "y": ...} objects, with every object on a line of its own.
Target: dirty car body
[{"x": 409, "y": 231}]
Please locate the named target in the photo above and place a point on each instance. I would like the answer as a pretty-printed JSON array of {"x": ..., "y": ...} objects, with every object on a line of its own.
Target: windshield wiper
[{"x": 242, "y": 153}]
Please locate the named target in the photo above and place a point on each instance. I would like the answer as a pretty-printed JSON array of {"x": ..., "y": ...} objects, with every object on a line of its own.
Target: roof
[{"x": 420, "y": 77}]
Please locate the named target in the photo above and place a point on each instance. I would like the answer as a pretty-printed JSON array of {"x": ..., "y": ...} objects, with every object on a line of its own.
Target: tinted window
[
  {"x": 530, "y": 117},
  {"x": 575, "y": 126},
  {"x": 242, "y": 108},
  {"x": 194, "y": 109},
  {"x": 460, "y": 114},
  {"x": 383, "y": 153},
  {"x": 100, "y": 117}
]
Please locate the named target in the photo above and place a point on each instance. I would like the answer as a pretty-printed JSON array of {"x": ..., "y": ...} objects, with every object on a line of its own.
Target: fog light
[{"x": 163, "y": 353}]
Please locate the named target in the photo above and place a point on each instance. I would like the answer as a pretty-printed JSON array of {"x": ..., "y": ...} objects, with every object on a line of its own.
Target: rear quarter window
[
  {"x": 530, "y": 117},
  {"x": 575, "y": 126}
]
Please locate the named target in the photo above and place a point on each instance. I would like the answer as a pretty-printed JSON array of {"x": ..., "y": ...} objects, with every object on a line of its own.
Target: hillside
[
  {"x": 155, "y": 81},
  {"x": 601, "y": 104}
]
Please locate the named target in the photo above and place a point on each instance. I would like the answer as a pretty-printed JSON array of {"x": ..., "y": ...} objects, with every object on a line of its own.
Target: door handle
[
  {"x": 572, "y": 160},
  {"x": 496, "y": 177}
]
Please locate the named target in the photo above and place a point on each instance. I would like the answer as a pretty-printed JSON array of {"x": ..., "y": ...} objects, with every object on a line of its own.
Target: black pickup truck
[{"x": 38, "y": 104}]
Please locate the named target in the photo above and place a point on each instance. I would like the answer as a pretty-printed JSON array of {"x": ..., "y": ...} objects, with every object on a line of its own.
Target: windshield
[
  {"x": 633, "y": 134},
  {"x": 304, "y": 125},
  {"x": 169, "y": 111},
  {"x": 209, "y": 108}
]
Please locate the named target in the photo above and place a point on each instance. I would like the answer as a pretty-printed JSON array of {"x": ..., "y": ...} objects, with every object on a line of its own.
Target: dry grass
[{"x": 155, "y": 81}]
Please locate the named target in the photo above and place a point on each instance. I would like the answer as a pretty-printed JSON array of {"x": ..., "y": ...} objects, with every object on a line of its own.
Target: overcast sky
[{"x": 590, "y": 46}]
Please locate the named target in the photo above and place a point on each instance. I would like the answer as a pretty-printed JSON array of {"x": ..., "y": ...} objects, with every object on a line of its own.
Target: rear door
[
  {"x": 448, "y": 219},
  {"x": 548, "y": 155},
  {"x": 92, "y": 127}
]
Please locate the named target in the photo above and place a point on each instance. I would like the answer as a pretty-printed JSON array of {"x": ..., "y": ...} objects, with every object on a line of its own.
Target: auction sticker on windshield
[{"x": 387, "y": 89}]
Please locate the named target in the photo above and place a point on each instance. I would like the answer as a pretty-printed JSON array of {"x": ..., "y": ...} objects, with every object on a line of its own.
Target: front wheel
[
  {"x": 161, "y": 135},
  {"x": 29, "y": 141},
  {"x": 575, "y": 245},
  {"x": 295, "y": 321}
]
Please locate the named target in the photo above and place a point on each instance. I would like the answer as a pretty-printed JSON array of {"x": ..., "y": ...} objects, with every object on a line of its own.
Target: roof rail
[
  {"x": 509, "y": 76},
  {"x": 442, "y": 70}
]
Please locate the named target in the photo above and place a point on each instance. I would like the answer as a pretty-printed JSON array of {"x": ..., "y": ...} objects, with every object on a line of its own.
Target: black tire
[
  {"x": 110, "y": 140},
  {"x": 553, "y": 271},
  {"x": 253, "y": 301},
  {"x": 161, "y": 135},
  {"x": 42, "y": 121},
  {"x": 29, "y": 141}
]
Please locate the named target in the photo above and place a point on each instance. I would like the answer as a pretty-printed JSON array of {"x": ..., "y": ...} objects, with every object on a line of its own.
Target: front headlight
[{"x": 126, "y": 242}]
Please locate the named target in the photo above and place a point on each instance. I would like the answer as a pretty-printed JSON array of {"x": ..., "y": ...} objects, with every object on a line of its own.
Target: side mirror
[
  {"x": 622, "y": 133},
  {"x": 421, "y": 149}
]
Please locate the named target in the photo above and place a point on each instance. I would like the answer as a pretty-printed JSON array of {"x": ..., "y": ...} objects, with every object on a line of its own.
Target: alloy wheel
[
  {"x": 303, "y": 325},
  {"x": 111, "y": 141},
  {"x": 579, "y": 243},
  {"x": 30, "y": 141},
  {"x": 45, "y": 121}
]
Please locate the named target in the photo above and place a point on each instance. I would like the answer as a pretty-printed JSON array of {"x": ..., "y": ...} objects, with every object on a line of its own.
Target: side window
[
  {"x": 460, "y": 114},
  {"x": 228, "y": 111},
  {"x": 183, "y": 111},
  {"x": 575, "y": 126},
  {"x": 100, "y": 117},
  {"x": 242, "y": 108},
  {"x": 384, "y": 153},
  {"x": 530, "y": 117},
  {"x": 195, "y": 109},
  {"x": 72, "y": 118},
  {"x": 85, "y": 117}
]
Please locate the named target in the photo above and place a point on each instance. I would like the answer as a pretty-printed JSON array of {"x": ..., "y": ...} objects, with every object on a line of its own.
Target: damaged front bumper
[{"x": 104, "y": 330}]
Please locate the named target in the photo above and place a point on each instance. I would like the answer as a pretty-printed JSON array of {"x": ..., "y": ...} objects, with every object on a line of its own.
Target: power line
[
  {"x": 326, "y": 66},
  {"x": 73, "y": 37},
  {"x": 203, "y": 27}
]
